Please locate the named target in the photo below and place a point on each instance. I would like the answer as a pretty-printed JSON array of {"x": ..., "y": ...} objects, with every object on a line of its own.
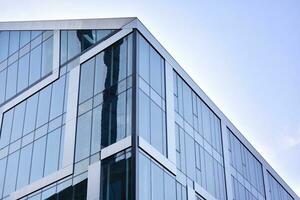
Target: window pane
[
  {"x": 52, "y": 154},
  {"x": 157, "y": 127},
  {"x": 24, "y": 38},
  {"x": 23, "y": 72},
  {"x": 2, "y": 174},
  {"x": 18, "y": 122},
  {"x": 2, "y": 84},
  {"x": 144, "y": 177},
  {"x": 157, "y": 182},
  {"x": 116, "y": 178},
  {"x": 13, "y": 41},
  {"x": 86, "y": 38},
  {"x": 4, "y": 41},
  {"x": 38, "y": 158},
  {"x": 155, "y": 71},
  {"x": 44, "y": 106},
  {"x": 86, "y": 80},
  {"x": 63, "y": 46},
  {"x": 101, "y": 73},
  {"x": 96, "y": 130},
  {"x": 83, "y": 136},
  {"x": 11, "y": 85},
  {"x": 190, "y": 156},
  {"x": 57, "y": 99},
  {"x": 24, "y": 166},
  {"x": 100, "y": 34},
  {"x": 35, "y": 64},
  {"x": 170, "y": 187},
  {"x": 119, "y": 61},
  {"x": 188, "y": 105},
  {"x": 143, "y": 55},
  {"x": 11, "y": 173},
  {"x": 47, "y": 59},
  {"x": 80, "y": 190},
  {"x": 73, "y": 44},
  {"x": 30, "y": 116},
  {"x": 6, "y": 128},
  {"x": 144, "y": 116}
]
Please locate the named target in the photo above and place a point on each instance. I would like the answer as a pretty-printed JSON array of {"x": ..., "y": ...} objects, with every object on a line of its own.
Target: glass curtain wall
[
  {"x": 199, "y": 153},
  {"x": 26, "y": 57}
]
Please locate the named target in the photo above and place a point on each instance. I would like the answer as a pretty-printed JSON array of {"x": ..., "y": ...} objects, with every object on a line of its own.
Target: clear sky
[{"x": 244, "y": 54}]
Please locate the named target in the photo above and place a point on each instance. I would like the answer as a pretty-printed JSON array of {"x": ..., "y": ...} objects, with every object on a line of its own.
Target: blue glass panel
[
  {"x": 14, "y": 38},
  {"x": 144, "y": 116},
  {"x": 83, "y": 136},
  {"x": 157, "y": 182},
  {"x": 17, "y": 128},
  {"x": 156, "y": 78},
  {"x": 11, "y": 86},
  {"x": 96, "y": 130},
  {"x": 35, "y": 64},
  {"x": 43, "y": 106},
  {"x": 23, "y": 72},
  {"x": 170, "y": 187},
  {"x": 38, "y": 157},
  {"x": 157, "y": 135},
  {"x": 52, "y": 152},
  {"x": 2, "y": 84},
  {"x": 2, "y": 174},
  {"x": 24, "y": 166},
  {"x": 6, "y": 128},
  {"x": 24, "y": 38},
  {"x": 144, "y": 58},
  {"x": 101, "y": 73},
  {"x": 144, "y": 178},
  {"x": 47, "y": 56},
  {"x": 86, "y": 80},
  {"x": 4, "y": 41},
  {"x": 74, "y": 47},
  {"x": 11, "y": 173},
  {"x": 57, "y": 100},
  {"x": 30, "y": 116}
]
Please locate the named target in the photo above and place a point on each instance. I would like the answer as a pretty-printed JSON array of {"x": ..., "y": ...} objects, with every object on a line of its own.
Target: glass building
[{"x": 98, "y": 109}]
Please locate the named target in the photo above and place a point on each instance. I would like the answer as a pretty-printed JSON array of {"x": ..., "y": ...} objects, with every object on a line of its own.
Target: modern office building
[{"x": 98, "y": 109}]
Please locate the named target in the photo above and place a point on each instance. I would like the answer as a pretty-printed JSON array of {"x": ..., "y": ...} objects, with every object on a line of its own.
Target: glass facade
[
  {"x": 104, "y": 110},
  {"x": 151, "y": 95},
  {"x": 198, "y": 140},
  {"x": 245, "y": 165},
  {"x": 277, "y": 192},
  {"x": 83, "y": 131},
  {"x": 28, "y": 134}
]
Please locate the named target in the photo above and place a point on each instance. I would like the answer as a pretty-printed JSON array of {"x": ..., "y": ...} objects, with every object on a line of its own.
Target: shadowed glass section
[
  {"x": 104, "y": 111},
  {"x": 116, "y": 177},
  {"x": 73, "y": 42},
  {"x": 26, "y": 57}
]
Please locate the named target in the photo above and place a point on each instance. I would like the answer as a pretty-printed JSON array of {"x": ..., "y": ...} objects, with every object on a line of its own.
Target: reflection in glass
[{"x": 116, "y": 177}]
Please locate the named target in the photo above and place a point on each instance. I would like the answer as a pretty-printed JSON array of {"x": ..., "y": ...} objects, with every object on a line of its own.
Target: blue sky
[{"x": 243, "y": 54}]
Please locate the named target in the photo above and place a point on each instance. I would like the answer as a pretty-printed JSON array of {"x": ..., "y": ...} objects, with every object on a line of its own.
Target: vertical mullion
[{"x": 134, "y": 133}]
